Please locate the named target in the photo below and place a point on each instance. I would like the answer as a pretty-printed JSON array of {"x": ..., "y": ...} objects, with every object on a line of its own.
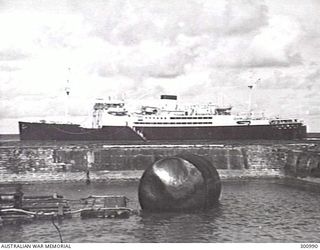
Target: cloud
[
  {"x": 161, "y": 38},
  {"x": 8, "y": 68},
  {"x": 200, "y": 32},
  {"x": 244, "y": 16},
  {"x": 10, "y": 54},
  {"x": 193, "y": 48},
  {"x": 314, "y": 76},
  {"x": 276, "y": 45}
]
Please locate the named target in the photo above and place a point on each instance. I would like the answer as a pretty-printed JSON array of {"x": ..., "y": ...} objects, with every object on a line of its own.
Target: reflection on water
[
  {"x": 249, "y": 211},
  {"x": 196, "y": 227}
]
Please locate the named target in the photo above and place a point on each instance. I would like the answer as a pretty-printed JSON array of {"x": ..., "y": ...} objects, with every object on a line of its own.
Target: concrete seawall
[
  {"x": 58, "y": 163},
  {"x": 303, "y": 164}
]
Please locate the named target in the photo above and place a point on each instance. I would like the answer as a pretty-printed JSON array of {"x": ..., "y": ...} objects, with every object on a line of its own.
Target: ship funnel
[
  {"x": 168, "y": 97},
  {"x": 169, "y": 102}
]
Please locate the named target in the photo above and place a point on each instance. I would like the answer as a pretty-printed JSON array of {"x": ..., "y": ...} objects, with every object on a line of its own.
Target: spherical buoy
[{"x": 180, "y": 183}]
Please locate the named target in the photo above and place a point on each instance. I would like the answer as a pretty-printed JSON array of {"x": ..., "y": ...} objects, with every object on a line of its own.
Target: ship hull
[
  {"x": 250, "y": 132},
  {"x": 66, "y": 132},
  {"x": 73, "y": 132}
]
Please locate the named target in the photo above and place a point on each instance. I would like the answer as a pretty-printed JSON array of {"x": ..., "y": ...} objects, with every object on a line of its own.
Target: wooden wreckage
[{"x": 15, "y": 207}]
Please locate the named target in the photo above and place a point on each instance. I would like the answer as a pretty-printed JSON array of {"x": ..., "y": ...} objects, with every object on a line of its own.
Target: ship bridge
[
  {"x": 111, "y": 112},
  {"x": 105, "y": 105}
]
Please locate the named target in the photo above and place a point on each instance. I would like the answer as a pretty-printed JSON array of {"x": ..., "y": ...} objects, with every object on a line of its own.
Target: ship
[{"x": 166, "y": 121}]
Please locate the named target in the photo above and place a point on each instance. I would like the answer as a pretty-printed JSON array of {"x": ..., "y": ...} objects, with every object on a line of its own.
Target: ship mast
[
  {"x": 67, "y": 91},
  {"x": 251, "y": 87}
]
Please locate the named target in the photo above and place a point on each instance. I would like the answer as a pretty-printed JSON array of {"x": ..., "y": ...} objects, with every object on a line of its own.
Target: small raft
[
  {"x": 15, "y": 207},
  {"x": 106, "y": 207}
]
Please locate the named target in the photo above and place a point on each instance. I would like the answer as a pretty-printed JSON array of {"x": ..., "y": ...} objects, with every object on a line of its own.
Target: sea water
[{"x": 249, "y": 211}]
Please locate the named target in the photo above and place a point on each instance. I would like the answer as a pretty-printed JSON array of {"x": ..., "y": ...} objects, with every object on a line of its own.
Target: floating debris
[{"x": 14, "y": 207}]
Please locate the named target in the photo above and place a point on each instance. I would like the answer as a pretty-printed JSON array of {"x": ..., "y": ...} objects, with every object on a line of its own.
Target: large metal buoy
[{"x": 180, "y": 183}]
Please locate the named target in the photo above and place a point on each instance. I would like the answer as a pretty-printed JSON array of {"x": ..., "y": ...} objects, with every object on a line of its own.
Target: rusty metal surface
[{"x": 183, "y": 182}]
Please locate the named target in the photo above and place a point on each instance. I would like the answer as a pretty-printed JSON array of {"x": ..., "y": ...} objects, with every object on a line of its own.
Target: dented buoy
[{"x": 180, "y": 183}]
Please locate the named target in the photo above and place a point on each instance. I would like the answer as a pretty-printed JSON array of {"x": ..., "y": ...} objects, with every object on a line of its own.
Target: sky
[{"x": 201, "y": 50}]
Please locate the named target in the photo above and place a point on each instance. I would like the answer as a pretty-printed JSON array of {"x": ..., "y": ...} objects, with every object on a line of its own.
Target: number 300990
[{"x": 310, "y": 246}]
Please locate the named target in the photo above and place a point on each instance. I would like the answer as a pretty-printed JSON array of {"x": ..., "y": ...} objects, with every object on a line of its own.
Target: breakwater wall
[
  {"x": 56, "y": 163},
  {"x": 303, "y": 164}
]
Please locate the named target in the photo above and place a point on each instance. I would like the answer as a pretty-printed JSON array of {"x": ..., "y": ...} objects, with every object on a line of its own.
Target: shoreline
[
  {"x": 135, "y": 175},
  {"x": 303, "y": 184},
  {"x": 69, "y": 162}
]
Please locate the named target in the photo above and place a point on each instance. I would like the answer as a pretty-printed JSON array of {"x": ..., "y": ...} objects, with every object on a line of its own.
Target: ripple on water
[{"x": 249, "y": 211}]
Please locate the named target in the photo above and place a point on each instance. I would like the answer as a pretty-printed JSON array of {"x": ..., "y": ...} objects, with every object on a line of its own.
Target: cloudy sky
[{"x": 200, "y": 50}]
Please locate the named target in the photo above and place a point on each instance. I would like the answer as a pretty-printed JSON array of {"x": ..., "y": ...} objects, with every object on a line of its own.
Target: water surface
[{"x": 249, "y": 211}]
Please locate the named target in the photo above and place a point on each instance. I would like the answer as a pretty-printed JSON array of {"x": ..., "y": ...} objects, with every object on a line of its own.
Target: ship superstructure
[
  {"x": 209, "y": 121},
  {"x": 110, "y": 112}
]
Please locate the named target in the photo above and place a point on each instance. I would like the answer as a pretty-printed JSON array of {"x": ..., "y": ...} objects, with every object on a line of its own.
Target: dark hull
[
  {"x": 45, "y": 131},
  {"x": 72, "y": 132},
  {"x": 252, "y": 132}
]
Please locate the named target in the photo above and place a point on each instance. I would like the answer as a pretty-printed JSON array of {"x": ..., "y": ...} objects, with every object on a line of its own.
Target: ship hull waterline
[{"x": 73, "y": 132}]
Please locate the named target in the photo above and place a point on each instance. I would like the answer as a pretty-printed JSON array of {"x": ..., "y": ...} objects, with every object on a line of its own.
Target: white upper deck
[{"x": 169, "y": 114}]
